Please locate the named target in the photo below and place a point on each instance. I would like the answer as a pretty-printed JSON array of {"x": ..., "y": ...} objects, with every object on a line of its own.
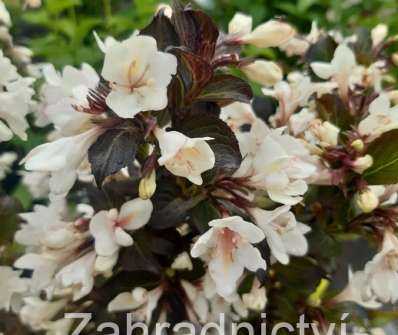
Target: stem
[{"x": 107, "y": 9}]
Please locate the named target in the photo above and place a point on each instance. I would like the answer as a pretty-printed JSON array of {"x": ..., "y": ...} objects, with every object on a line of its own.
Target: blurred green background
[{"x": 61, "y": 30}]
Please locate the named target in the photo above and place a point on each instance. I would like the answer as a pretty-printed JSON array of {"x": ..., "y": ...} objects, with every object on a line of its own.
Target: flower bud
[
  {"x": 147, "y": 186},
  {"x": 315, "y": 299},
  {"x": 263, "y": 72},
  {"x": 366, "y": 201},
  {"x": 395, "y": 58},
  {"x": 379, "y": 33},
  {"x": 362, "y": 163},
  {"x": 325, "y": 132},
  {"x": 240, "y": 24},
  {"x": 393, "y": 95},
  {"x": 167, "y": 10},
  {"x": 270, "y": 34},
  {"x": 182, "y": 262},
  {"x": 358, "y": 145}
]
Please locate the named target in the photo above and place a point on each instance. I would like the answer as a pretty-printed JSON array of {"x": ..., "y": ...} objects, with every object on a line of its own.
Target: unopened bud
[
  {"x": 147, "y": 186},
  {"x": 393, "y": 95},
  {"x": 358, "y": 145},
  {"x": 395, "y": 58},
  {"x": 379, "y": 34},
  {"x": 263, "y": 72},
  {"x": 367, "y": 201},
  {"x": 240, "y": 24},
  {"x": 315, "y": 299},
  {"x": 167, "y": 10},
  {"x": 273, "y": 33},
  {"x": 362, "y": 163},
  {"x": 326, "y": 132},
  {"x": 182, "y": 262}
]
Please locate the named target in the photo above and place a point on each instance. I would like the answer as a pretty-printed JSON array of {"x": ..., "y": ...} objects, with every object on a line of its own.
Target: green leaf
[
  {"x": 321, "y": 51},
  {"x": 55, "y": 7},
  {"x": 384, "y": 151},
  {"x": 202, "y": 214},
  {"x": 9, "y": 209},
  {"x": 225, "y": 89},
  {"x": 224, "y": 143},
  {"x": 113, "y": 150},
  {"x": 363, "y": 46}
]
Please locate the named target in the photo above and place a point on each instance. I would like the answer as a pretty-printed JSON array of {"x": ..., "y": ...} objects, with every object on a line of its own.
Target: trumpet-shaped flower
[
  {"x": 109, "y": 227},
  {"x": 6, "y": 161},
  {"x": 382, "y": 118},
  {"x": 138, "y": 74},
  {"x": 10, "y": 283},
  {"x": 62, "y": 158},
  {"x": 139, "y": 300},
  {"x": 382, "y": 272},
  {"x": 263, "y": 72},
  {"x": 280, "y": 164},
  {"x": 15, "y": 100},
  {"x": 237, "y": 114},
  {"x": 339, "y": 69},
  {"x": 285, "y": 236},
  {"x": 272, "y": 33},
  {"x": 228, "y": 248},
  {"x": 184, "y": 156},
  {"x": 61, "y": 92}
]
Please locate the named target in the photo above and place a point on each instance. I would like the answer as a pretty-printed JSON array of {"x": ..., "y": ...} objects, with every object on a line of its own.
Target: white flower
[
  {"x": 294, "y": 94},
  {"x": 109, "y": 227},
  {"x": 6, "y": 161},
  {"x": 77, "y": 277},
  {"x": 184, "y": 156},
  {"x": 240, "y": 24},
  {"x": 280, "y": 164},
  {"x": 379, "y": 34},
  {"x": 61, "y": 92},
  {"x": 237, "y": 114},
  {"x": 15, "y": 100},
  {"x": 139, "y": 300},
  {"x": 198, "y": 307},
  {"x": 263, "y": 72},
  {"x": 363, "y": 163},
  {"x": 10, "y": 283},
  {"x": 138, "y": 74},
  {"x": 37, "y": 182},
  {"x": 339, "y": 69},
  {"x": 382, "y": 272},
  {"x": 353, "y": 291},
  {"x": 382, "y": 118},
  {"x": 272, "y": 33},
  {"x": 45, "y": 226},
  {"x": 256, "y": 299},
  {"x": 228, "y": 247},
  {"x": 62, "y": 159},
  {"x": 366, "y": 201},
  {"x": 231, "y": 305},
  {"x": 323, "y": 133},
  {"x": 182, "y": 262},
  {"x": 300, "y": 121},
  {"x": 58, "y": 327},
  {"x": 36, "y": 313},
  {"x": 5, "y": 17},
  {"x": 285, "y": 236}
]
